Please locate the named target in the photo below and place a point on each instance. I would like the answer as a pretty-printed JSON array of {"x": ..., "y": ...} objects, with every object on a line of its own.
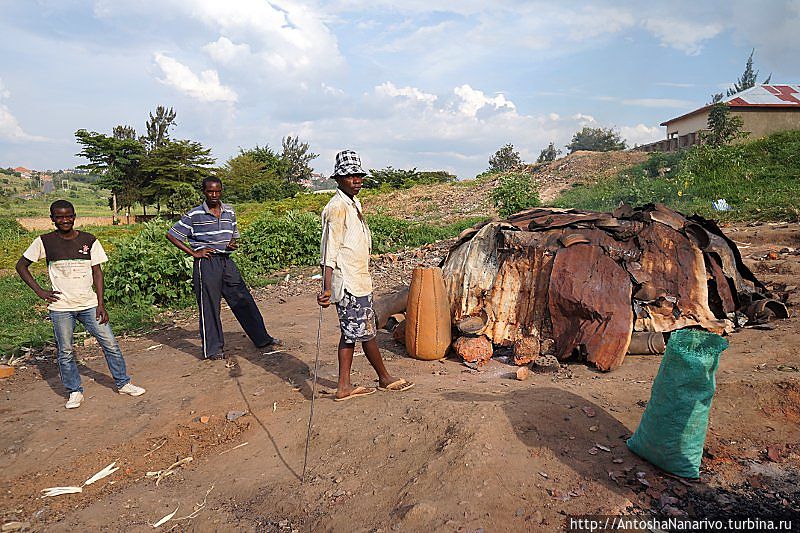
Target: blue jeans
[{"x": 64, "y": 327}]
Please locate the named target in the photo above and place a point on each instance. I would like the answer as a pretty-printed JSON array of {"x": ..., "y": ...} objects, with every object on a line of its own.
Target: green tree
[
  {"x": 118, "y": 164},
  {"x": 174, "y": 163},
  {"x": 257, "y": 174},
  {"x": 548, "y": 154},
  {"x": 394, "y": 178},
  {"x": 506, "y": 158},
  {"x": 124, "y": 133},
  {"x": 297, "y": 156},
  {"x": 723, "y": 128},
  {"x": 184, "y": 196},
  {"x": 158, "y": 126},
  {"x": 596, "y": 140}
]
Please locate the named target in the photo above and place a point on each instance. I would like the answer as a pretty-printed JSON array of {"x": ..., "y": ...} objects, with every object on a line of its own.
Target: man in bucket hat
[{"x": 346, "y": 246}]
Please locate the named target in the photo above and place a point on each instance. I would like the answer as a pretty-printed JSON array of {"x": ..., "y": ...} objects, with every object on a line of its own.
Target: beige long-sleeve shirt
[{"x": 346, "y": 245}]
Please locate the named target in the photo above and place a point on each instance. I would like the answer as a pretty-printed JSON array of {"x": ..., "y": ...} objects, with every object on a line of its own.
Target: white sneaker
[
  {"x": 75, "y": 399},
  {"x": 133, "y": 390}
]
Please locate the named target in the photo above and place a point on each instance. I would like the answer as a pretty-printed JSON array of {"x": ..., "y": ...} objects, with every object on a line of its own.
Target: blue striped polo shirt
[{"x": 201, "y": 229}]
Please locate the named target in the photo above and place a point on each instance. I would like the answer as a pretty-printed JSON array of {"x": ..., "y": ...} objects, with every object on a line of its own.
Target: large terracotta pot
[{"x": 427, "y": 315}]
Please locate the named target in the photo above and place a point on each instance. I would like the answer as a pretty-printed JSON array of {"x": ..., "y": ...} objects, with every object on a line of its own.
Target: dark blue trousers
[{"x": 217, "y": 277}]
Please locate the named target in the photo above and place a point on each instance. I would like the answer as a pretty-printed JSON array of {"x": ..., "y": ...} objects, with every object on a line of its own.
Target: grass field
[{"x": 760, "y": 179}]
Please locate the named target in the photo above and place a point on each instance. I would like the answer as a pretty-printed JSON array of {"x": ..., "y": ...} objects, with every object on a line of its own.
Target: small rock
[
  {"x": 204, "y": 419},
  {"x": 233, "y": 415},
  {"x": 421, "y": 512},
  {"x": 338, "y": 480},
  {"x": 673, "y": 512},
  {"x": 589, "y": 411},
  {"x": 15, "y": 526},
  {"x": 773, "y": 454},
  {"x": 592, "y": 428},
  {"x": 474, "y": 349},
  {"x": 523, "y": 373},
  {"x": 665, "y": 499}
]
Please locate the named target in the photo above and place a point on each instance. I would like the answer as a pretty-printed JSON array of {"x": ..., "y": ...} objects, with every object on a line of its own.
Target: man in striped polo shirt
[{"x": 210, "y": 231}]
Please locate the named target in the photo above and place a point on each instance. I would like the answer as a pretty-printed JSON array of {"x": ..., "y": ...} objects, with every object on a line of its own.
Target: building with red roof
[{"x": 764, "y": 109}]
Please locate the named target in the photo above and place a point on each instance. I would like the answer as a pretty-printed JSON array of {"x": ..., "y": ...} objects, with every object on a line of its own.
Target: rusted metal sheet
[
  {"x": 590, "y": 306},
  {"x": 675, "y": 268},
  {"x": 565, "y": 281}
]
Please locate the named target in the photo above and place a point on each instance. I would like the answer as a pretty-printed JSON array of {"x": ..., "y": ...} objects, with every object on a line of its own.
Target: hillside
[{"x": 472, "y": 198}]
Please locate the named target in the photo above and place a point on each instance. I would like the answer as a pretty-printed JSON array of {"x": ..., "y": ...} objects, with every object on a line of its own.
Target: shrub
[
  {"x": 146, "y": 269},
  {"x": 506, "y": 158},
  {"x": 514, "y": 192},
  {"x": 11, "y": 230},
  {"x": 272, "y": 242},
  {"x": 390, "y": 234},
  {"x": 596, "y": 140}
]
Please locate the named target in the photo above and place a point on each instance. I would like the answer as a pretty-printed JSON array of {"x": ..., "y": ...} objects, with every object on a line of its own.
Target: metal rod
[{"x": 316, "y": 359}]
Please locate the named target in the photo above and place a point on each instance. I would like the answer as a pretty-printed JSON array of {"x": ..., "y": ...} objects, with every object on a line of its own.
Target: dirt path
[{"x": 463, "y": 450}]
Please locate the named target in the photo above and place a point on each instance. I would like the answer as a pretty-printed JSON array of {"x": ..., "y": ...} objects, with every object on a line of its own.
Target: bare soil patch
[{"x": 463, "y": 450}]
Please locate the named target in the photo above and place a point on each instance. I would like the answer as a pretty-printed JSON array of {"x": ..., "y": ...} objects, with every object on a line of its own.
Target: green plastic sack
[{"x": 673, "y": 429}]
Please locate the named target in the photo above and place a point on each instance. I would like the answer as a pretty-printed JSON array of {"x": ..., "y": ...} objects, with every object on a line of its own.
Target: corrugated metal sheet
[
  {"x": 767, "y": 95},
  {"x": 554, "y": 281}
]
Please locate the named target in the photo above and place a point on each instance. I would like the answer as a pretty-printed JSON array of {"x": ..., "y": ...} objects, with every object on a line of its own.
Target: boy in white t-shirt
[{"x": 73, "y": 264}]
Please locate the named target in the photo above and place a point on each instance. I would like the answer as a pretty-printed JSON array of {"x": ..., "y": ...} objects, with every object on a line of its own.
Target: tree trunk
[
  {"x": 144, "y": 211},
  {"x": 128, "y": 215},
  {"x": 114, "y": 217}
]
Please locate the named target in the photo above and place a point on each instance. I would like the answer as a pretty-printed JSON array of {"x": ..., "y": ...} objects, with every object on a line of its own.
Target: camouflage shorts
[{"x": 356, "y": 318}]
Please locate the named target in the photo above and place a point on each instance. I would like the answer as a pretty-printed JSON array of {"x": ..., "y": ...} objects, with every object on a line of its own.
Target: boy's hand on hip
[
  {"x": 49, "y": 296},
  {"x": 101, "y": 314},
  {"x": 202, "y": 253},
  {"x": 324, "y": 298}
]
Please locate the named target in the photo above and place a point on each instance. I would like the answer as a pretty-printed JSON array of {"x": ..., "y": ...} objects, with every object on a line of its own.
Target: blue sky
[{"x": 429, "y": 84}]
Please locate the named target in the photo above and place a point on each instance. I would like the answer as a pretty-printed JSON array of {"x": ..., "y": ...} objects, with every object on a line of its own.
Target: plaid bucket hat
[{"x": 347, "y": 163}]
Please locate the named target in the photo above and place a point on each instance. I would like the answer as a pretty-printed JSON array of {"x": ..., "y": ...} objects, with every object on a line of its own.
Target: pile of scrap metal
[{"x": 568, "y": 283}]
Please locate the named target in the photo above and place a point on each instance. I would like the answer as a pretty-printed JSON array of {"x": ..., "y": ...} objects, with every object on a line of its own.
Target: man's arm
[
  {"x": 324, "y": 298},
  {"x": 197, "y": 254},
  {"x": 27, "y": 277},
  {"x": 97, "y": 279}
]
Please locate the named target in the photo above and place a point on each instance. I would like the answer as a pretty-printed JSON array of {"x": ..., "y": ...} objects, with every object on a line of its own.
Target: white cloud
[
  {"x": 641, "y": 134},
  {"x": 473, "y": 100},
  {"x": 684, "y": 35},
  {"x": 290, "y": 38},
  {"x": 206, "y": 87},
  {"x": 412, "y": 93},
  {"x": 10, "y": 129},
  {"x": 583, "y": 119},
  {"x": 225, "y": 51},
  {"x": 554, "y": 116}
]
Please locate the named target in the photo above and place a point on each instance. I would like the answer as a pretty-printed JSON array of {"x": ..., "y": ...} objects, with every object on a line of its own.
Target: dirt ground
[{"x": 464, "y": 450}]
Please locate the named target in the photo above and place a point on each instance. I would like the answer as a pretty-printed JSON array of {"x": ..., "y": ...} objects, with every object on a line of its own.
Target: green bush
[
  {"x": 514, "y": 192},
  {"x": 11, "y": 230},
  {"x": 759, "y": 179},
  {"x": 390, "y": 234},
  {"x": 272, "y": 242},
  {"x": 147, "y": 270}
]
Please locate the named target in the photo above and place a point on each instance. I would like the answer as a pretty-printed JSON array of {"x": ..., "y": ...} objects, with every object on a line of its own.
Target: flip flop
[
  {"x": 358, "y": 391},
  {"x": 397, "y": 386}
]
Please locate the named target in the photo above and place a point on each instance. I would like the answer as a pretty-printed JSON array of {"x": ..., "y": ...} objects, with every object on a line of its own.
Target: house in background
[{"x": 764, "y": 109}]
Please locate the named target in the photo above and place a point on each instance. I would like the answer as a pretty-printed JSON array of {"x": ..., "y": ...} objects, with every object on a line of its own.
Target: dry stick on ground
[
  {"x": 163, "y": 442},
  {"x": 198, "y": 506},
  {"x": 239, "y": 446},
  {"x": 161, "y": 474}
]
